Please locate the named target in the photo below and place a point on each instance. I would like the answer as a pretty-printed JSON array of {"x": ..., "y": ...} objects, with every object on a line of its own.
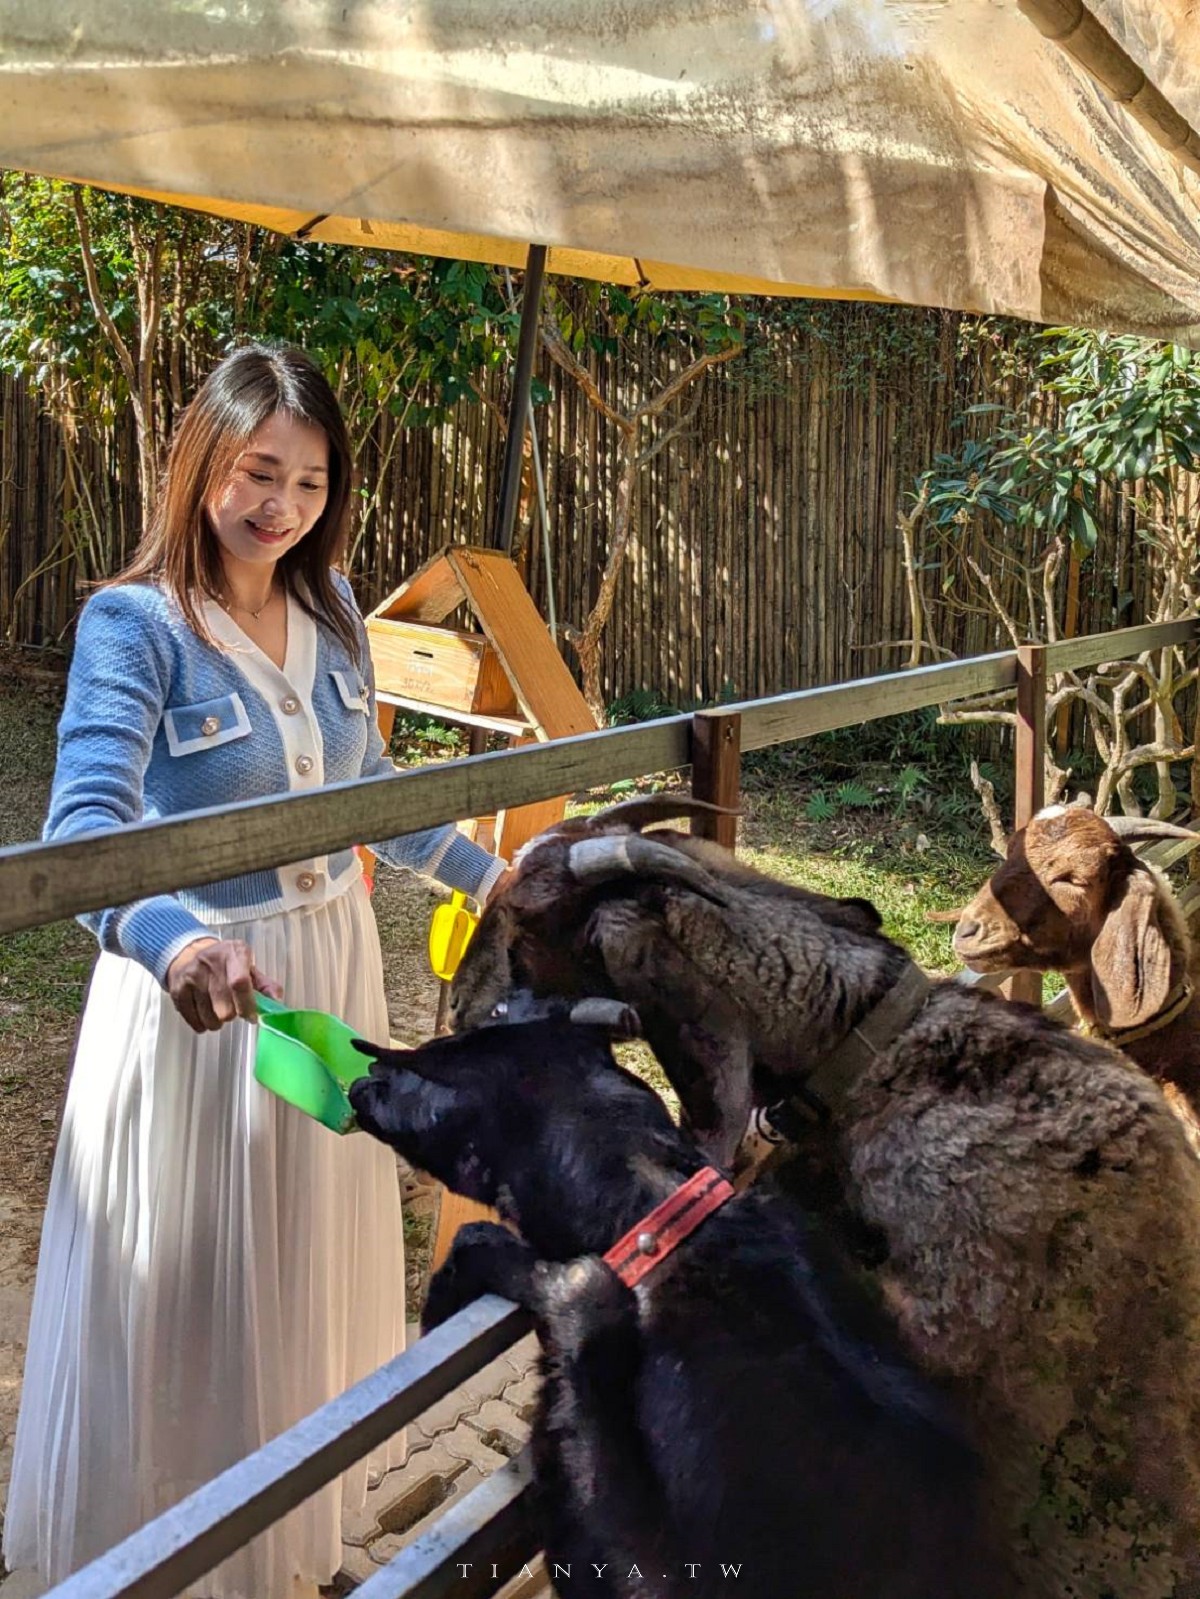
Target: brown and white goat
[
  {"x": 1035, "y": 1203},
  {"x": 1072, "y": 897}
]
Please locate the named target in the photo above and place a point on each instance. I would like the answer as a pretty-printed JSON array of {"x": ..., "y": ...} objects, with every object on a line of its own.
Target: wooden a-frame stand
[{"x": 508, "y": 679}]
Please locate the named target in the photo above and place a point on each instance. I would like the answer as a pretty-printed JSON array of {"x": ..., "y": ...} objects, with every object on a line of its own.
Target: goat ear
[
  {"x": 1131, "y": 959},
  {"x": 440, "y": 1060}
]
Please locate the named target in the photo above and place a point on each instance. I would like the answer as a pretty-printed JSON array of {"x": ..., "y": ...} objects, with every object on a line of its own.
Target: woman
[{"x": 215, "y": 1265}]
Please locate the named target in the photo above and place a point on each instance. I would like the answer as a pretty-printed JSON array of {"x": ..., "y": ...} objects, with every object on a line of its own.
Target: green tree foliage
[
  {"x": 860, "y": 348},
  {"x": 108, "y": 301},
  {"x": 1100, "y": 416},
  {"x": 1119, "y": 411},
  {"x": 49, "y": 333}
]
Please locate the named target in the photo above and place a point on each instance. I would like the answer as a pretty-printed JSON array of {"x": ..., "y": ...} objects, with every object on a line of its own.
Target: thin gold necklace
[{"x": 232, "y": 605}]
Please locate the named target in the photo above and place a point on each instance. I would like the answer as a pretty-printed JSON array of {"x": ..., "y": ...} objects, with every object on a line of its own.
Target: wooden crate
[{"x": 440, "y": 667}]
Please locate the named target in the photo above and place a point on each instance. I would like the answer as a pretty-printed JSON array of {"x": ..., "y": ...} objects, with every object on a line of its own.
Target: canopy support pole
[
  {"x": 1074, "y": 29},
  {"x": 518, "y": 411}
]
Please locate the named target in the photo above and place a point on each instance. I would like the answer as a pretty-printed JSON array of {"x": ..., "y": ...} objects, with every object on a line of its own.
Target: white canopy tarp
[{"x": 939, "y": 152}]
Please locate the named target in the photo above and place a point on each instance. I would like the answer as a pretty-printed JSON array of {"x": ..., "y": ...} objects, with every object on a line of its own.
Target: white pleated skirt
[{"x": 214, "y": 1266}]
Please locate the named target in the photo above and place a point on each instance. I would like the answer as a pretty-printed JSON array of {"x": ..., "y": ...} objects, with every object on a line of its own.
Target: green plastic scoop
[{"x": 308, "y": 1058}]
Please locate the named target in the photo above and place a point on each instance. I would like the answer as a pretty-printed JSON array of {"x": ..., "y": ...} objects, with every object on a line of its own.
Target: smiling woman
[
  {"x": 215, "y": 1265},
  {"x": 274, "y": 496}
]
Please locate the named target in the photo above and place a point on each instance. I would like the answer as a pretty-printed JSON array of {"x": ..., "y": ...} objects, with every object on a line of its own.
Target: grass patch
[
  {"x": 43, "y": 972},
  {"x": 906, "y": 873}
]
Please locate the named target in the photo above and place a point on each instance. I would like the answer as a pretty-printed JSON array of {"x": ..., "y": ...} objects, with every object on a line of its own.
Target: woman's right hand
[{"x": 212, "y": 980}]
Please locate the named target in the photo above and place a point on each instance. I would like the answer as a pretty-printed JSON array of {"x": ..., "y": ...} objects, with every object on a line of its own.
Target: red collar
[{"x": 668, "y": 1224}]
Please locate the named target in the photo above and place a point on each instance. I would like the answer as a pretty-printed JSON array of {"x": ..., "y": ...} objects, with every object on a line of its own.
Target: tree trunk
[{"x": 588, "y": 640}]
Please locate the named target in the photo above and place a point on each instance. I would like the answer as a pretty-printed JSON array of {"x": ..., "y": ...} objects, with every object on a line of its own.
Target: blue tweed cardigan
[{"x": 157, "y": 722}]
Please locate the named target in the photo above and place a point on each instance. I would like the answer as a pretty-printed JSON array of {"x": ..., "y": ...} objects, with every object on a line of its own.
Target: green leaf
[
  {"x": 855, "y": 796},
  {"x": 1084, "y": 531}
]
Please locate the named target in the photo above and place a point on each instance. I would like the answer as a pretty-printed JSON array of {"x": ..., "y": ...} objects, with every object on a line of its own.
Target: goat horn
[
  {"x": 638, "y": 813},
  {"x": 613, "y": 1014},
  {"x": 599, "y": 860},
  {"x": 1135, "y": 829}
]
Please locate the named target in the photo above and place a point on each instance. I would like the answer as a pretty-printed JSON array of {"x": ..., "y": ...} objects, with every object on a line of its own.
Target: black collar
[{"x": 870, "y": 1038}]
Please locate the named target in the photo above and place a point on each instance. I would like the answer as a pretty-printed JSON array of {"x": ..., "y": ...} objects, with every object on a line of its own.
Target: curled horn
[
  {"x": 613, "y": 855},
  {"x": 638, "y": 813},
  {"x": 1137, "y": 829}
]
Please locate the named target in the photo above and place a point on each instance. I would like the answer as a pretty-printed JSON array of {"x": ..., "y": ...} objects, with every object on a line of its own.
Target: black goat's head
[
  {"x": 533, "y": 933},
  {"x": 534, "y": 1118}
]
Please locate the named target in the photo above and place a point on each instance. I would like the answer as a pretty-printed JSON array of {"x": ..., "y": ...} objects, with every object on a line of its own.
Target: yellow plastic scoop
[
  {"x": 451, "y": 929},
  {"x": 308, "y": 1058}
]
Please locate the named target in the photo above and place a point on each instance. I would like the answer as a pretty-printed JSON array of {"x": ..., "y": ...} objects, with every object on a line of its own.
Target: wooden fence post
[
  {"x": 717, "y": 772},
  {"x": 1029, "y": 787}
]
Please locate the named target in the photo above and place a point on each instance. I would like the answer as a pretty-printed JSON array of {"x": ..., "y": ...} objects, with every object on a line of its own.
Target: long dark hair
[{"x": 179, "y": 550}]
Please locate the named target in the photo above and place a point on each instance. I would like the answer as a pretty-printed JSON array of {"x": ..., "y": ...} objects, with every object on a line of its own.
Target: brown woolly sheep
[
  {"x": 1035, "y": 1201},
  {"x": 1072, "y": 897}
]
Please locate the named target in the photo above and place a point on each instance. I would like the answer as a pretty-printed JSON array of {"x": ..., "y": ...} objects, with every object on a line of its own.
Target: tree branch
[
  {"x": 1001, "y": 610},
  {"x": 558, "y": 352},
  {"x": 672, "y": 432},
  {"x": 106, "y": 322},
  {"x": 683, "y": 380},
  {"x": 916, "y": 600},
  {"x": 991, "y": 810}
]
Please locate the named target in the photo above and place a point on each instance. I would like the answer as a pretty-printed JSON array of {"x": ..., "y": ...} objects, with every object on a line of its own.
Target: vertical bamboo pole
[
  {"x": 1030, "y": 779},
  {"x": 1062, "y": 723},
  {"x": 717, "y": 772}
]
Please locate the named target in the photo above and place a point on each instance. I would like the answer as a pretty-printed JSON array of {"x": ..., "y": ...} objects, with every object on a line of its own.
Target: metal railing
[{"x": 489, "y": 1528}]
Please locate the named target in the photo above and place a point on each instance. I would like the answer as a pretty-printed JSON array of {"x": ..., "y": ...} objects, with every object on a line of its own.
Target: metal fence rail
[
  {"x": 43, "y": 883},
  {"x": 178, "y": 1547}
]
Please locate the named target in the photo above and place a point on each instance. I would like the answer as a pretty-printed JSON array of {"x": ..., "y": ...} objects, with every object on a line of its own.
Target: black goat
[
  {"x": 744, "y": 1420},
  {"x": 1029, "y": 1203}
]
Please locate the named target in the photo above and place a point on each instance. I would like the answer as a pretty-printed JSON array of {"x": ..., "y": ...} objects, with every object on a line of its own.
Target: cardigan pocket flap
[
  {"x": 203, "y": 726},
  {"x": 352, "y": 690}
]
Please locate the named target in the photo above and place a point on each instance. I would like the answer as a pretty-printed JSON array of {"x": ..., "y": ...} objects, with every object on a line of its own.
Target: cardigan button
[
  {"x": 210, "y": 725},
  {"x": 304, "y": 764},
  {"x": 306, "y": 882},
  {"x": 289, "y": 705}
]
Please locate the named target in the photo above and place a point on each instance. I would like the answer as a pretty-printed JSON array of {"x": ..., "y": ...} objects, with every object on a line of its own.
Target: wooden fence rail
[
  {"x": 45, "y": 882},
  {"x": 40, "y": 883}
]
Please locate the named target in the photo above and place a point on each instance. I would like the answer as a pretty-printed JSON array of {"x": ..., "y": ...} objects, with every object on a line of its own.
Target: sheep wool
[{"x": 1042, "y": 1213}]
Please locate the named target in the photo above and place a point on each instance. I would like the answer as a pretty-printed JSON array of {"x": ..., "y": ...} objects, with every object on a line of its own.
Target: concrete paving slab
[{"x": 478, "y": 1449}]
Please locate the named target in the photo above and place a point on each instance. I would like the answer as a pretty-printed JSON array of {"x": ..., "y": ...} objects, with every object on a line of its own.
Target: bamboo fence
[{"x": 765, "y": 555}]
